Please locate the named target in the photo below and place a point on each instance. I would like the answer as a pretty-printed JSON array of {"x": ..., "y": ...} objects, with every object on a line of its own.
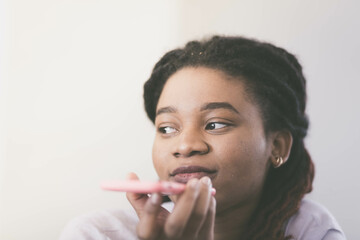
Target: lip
[{"x": 185, "y": 173}]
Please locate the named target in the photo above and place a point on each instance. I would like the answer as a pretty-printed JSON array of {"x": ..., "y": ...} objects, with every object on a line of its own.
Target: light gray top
[{"x": 311, "y": 222}]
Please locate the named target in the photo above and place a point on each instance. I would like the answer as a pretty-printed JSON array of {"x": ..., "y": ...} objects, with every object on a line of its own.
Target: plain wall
[
  {"x": 71, "y": 97},
  {"x": 74, "y": 113}
]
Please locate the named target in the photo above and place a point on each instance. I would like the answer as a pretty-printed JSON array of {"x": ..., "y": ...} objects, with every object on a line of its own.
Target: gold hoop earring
[{"x": 278, "y": 162}]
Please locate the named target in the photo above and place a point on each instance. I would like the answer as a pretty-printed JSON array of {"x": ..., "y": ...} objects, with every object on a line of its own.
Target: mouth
[{"x": 185, "y": 173}]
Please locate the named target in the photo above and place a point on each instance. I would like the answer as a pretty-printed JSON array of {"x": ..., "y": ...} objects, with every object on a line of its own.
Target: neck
[{"x": 232, "y": 223}]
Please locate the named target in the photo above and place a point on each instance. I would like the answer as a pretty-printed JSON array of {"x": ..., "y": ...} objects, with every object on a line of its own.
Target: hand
[{"x": 192, "y": 218}]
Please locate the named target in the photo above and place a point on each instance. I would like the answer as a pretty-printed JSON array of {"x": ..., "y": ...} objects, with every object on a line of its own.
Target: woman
[{"x": 229, "y": 114}]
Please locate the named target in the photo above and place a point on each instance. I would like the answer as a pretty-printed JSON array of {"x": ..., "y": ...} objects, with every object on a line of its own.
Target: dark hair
[{"x": 276, "y": 83}]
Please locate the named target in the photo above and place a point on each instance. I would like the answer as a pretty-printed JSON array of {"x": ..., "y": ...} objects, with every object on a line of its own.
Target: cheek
[
  {"x": 244, "y": 162},
  {"x": 251, "y": 156},
  {"x": 243, "y": 170}
]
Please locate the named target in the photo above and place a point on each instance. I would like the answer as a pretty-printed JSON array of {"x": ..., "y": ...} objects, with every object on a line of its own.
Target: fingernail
[
  {"x": 130, "y": 175},
  {"x": 155, "y": 198},
  {"x": 206, "y": 180},
  {"x": 172, "y": 187},
  {"x": 193, "y": 183}
]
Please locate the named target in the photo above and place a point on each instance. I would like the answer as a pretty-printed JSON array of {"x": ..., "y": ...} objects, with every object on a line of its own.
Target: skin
[{"x": 205, "y": 118}]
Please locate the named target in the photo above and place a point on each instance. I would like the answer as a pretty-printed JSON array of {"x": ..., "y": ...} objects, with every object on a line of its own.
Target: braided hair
[{"x": 275, "y": 81}]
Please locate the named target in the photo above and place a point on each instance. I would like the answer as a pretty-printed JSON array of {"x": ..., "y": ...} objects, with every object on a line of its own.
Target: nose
[{"x": 190, "y": 142}]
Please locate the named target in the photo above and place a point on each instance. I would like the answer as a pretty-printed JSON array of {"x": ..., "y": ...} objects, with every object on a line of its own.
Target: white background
[{"x": 71, "y": 111}]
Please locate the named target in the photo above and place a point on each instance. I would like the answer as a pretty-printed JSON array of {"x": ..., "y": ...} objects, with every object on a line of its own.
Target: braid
[{"x": 274, "y": 81}]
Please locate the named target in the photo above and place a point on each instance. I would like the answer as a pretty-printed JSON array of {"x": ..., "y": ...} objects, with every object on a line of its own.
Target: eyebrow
[
  {"x": 218, "y": 105},
  {"x": 166, "y": 110},
  {"x": 206, "y": 106}
]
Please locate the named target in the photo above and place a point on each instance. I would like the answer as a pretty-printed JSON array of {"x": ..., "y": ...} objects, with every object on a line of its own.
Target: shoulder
[
  {"x": 313, "y": 221},
  {"x": 103, "y": 225}
]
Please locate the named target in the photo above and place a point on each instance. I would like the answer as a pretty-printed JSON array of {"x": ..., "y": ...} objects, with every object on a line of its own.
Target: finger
[
  {"x": 132, "y": 176},
  {"x": 207, "y": 229},
  {"x": 201, "y": 208},
  {"x": 177, "y": 220},
  {"x": 137, "y": 200},
  {"x": 149, "y": 227}
]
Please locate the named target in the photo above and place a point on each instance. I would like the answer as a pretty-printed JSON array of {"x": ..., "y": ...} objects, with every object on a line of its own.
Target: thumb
[{"x": 136, "y": 200}]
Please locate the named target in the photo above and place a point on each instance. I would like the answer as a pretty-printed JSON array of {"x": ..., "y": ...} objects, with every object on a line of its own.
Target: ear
[{"x": 281, "y": 145}]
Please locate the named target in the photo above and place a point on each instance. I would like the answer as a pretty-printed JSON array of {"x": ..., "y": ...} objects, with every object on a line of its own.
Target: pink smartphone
[{"x": 137, "y": 186}]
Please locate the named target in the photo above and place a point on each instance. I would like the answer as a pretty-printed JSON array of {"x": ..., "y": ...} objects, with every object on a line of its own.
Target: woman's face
[{"x": 207, "y": 126}]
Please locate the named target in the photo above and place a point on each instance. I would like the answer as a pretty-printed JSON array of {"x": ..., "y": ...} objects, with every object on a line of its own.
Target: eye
[
  {"x": 216, "y": 125},
  {"x": 167, "y": 130}
]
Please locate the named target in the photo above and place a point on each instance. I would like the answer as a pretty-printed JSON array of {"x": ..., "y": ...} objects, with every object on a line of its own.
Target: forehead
[{"x": 202, "y": 84}]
